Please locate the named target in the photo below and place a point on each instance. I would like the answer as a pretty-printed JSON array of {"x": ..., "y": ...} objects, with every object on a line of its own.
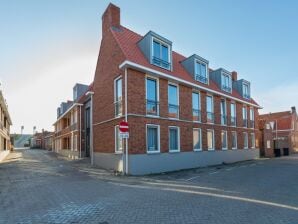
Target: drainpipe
[
  {"x": 126, "y": 140},
  {"x": 91, "y": 126},
  {"x": 80, "y": 132}
]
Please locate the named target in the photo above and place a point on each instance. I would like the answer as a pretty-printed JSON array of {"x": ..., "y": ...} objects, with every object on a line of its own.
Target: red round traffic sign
[{"x": 123, "y": 126}]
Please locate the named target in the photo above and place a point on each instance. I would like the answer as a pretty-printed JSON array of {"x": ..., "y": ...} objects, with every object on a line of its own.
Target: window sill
[
  {"x": 224, "y": 149},
  {"x": 153, "y": 152},
  {"x": 174, "y": 151},
  {"x": 211, "y": 150},
  {"x": 198, "y": 150},
  {"x": 118, "y": 153},
  {"x": 154, "y": 116}
]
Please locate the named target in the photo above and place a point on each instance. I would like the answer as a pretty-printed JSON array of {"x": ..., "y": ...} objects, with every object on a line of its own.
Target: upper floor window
[
  {"x": 233, "y": 114},
  {"x": 201, "y": 72},
  {"x": 252, "y": 117},
  {"x": 226, "y": 82},
  {"x": 196, "y": 112},
  {"x": 223, "y": 112},
  {"x": 246, "y": 91},
  {"x": 173, "y": 101},
  {"x": 244, "y": 116},
  {"x": 152, "y": 104},
  {"x": 118, "y": 97},
  {"x": 209, "y": 107},
  {"x": 161, "y": 54}
]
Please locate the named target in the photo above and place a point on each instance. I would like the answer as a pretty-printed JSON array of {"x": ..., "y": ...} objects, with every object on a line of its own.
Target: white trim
[
  {"x": 178, "y": 136},
  {"x": 115, "y": 97},
  {"x": 211, "y": 149},
  {"x": 178, "y": 95},
  {"x": 200, "y": 131},
  {"x": 226, "y": 134},
  {"x": 157, "y": 93},
  {"x": 127, "y": 63},
  {"x": 158, "y": 138},
  {"x": 235, "y": 139}
]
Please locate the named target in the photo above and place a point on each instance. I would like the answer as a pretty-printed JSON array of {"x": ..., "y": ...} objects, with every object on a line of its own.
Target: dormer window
[
  {"x": 161, "y": 54},
  {"x": 201, "y": 72},
  {"x": 246, "y": 91},
  {"x": 226, "y": 82}
]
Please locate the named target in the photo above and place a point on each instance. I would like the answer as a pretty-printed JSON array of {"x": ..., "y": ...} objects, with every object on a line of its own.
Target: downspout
[
  {"x": 126, "y": 140},
  {"x": 91, "y": 130},
  {"x": 80, "y": 132}
]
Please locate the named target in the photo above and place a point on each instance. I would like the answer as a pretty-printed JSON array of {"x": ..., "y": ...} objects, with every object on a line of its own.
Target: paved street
[{"x": 38, "y": 187}]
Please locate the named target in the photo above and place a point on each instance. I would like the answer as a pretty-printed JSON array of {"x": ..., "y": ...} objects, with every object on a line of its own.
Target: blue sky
[{"x": 47, "y": 46}]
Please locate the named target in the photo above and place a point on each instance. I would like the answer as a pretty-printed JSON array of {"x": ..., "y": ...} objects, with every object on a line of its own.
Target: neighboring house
[
  {"x": 48, "y": 141},
  {"x": 181, "y": 113},
  {"x": 72, "y": 128},
  {"x": 5, "y": 123},
  {"x": 42, "y": 140},
  {"x": 36, "y": 141},
  {"x": 278, "y": 133}
]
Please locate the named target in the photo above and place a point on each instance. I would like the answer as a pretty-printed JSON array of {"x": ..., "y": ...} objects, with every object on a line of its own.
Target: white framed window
[
  {"x": 268, "y": 144},
  {"x": 152, "y": 96},
  {"x": 252, "y": 117},
  {"x": 196, "y": 106},
  {"x": 153, "y": 138},
  {"x": 174, "y": 139},
  {"x": 118, "y": 140},
  {"x": 246, "y": 90},
  {"x": 210, "y": 109},
  {"x": 226, "y": 82},
  {"x": 118, "y": 96},
  {"x": 245, "y": 140},
  {"x": 161, "y": 54},
  {"x": 201, "y": 72},
  {"x": 223, "y": 112},
  {"x": 210, "y": 139},
  {"x": 244, "y": 116},
  {"x": 253, "y": 140},
  {"x": 197, "y": 139},
  {"x": 267, "y": 126},
  {"x": 173, "y": 100},
  {"x": 234, "y": 140},
  {"x": 75, "y": 143},
  {"x": 233, "y": 114},
  {"x": 224, "y": 140}
]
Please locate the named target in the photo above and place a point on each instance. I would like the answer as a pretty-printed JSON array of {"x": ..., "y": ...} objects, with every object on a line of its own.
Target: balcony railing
[
  {"x": 201, "y": 78},
  {"x": 233, "y": 121},
  {"x": 173, "y": 111},
  {"x": 118, "y": 108},
  {"x": 223, "y": 119},
  {"x": 210, "y": 117},
  {"x": 247, "y": 96},
  {"x": 226, "y": 88},
  {"x": 74, "y": 127},
  {"x": 244, "y": 123},
  {"x": 161, "y": 62},
  {"x": 251, "y": 124},
  {"x": 196, "y": 114},
  {"x": 152, "y": 107}
]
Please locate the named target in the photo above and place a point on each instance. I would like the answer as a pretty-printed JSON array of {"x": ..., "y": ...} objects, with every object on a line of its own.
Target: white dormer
[{"x": 226, "y": 82}]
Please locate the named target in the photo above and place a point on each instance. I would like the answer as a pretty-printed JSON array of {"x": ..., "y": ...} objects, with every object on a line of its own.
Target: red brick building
[
  {"x": 181, "y": 113},
  {"x": 278, "y": 133}
]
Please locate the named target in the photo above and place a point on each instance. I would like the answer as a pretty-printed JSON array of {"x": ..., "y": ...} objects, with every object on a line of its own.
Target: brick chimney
[
  {"x": 234, "y": 76},
  {"x": 293, "y": 109},
  {"x": 110, "y": 18}
]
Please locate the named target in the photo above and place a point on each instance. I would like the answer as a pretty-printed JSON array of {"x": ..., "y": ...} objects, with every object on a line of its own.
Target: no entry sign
[{"x": 123, "y": 126}]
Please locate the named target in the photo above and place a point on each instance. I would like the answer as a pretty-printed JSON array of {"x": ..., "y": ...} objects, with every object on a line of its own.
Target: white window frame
[
  {"x": 248, "y": 89},
  {"x": 169, "y": 53},
  {"x": 199, "y": 94},
  {"x": 157, "y": 92},
  {"x": 211, "y": 149},
  {"x": 212, "y": 107},
  {"x": 178, "y": 136},
  {"x": 245, "y": 134},
  {"x": 235, "y": 112},
  {"x": 117, "y": 151},
  {"x": 207, "y": 70},
  {"x": 226, "y": 114},
  {"x": 244, "y": 107},
  {"x": 252, "y": 118},
  {"x": 115, "y": 97},
  {"x": 253, "y": 141},
  {"x": 235, "y": 139},
  {"x": 158, "y": 138},
  {"x": 200, "y": 131},
  {"x": 178, "y": 96},
  {"x": 226, "y": 148},
  {"x": 230, "y": 81}
]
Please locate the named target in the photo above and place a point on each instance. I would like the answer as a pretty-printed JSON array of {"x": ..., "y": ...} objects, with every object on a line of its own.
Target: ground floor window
[
  {"x": 210, "y": 139},
  {"x": 153, "y": 144},
  {"x": 245, "y": 139},
  {"x": 174, "y": 139},
  {"x": 253, "y": 140},
  {"x": 197, "y": 139},
  {"x": 75, "y": 143},
  {"x": 224, "y": 140},
  {"x": 234, "y": 140},
  {"x": 118, "y": 141}
]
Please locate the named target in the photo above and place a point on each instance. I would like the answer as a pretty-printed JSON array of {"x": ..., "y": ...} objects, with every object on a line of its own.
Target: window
[
  {"x": 244, "y": 116},
  {"x": 210, "y": 115},
  {"x": 152, "y": 105},
  {"x": 223, "y": 112},
  {"x": 226, "y": 82},
  {"x": 196, "y": 112},
  {"x": 201, "y": 72},
  {"x": 224, "y": 140},
  {"x": 173, "y": 101},
  {"x": 118, "y": 141},
  {"x": 245, "y": 140},
  {"x": 161, "y": 54},
  {"x": 210, "y": 139},
  {"x": 75, "y": 143},
  {"x": 268, "y": 144},
  {"x": 252, "y": 118},
  {"x": 174, "y": 139},
  {"x": 152, "y": 138},
  {"x": 118, "y": 97},
  {"x": 253, "y": 140},
  {"x": 233, "y": 114},
  {"x": 246, "y": 90},
  {"x": 267, "y": 126},
  {"x": 197, "y": 139},
  {"x": 234, "y": 140}
]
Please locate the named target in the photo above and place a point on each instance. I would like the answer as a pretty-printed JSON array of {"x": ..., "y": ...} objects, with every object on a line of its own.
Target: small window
[
  {"x": 118, "y": 97},
  {"x": 224, "y": 140},
  {"x": 197, "y": 139},
  {"x": 253, "y": 140},
  {"x": 210, "y": 139},
  {"x": 226, "y": 83},
  {"x": 118, "y": 141},
  {"x": 161, "y": 54},
  {"x": 233, "y": 114},
  {"x": 244, "y": 116},
  {"x": 201, "y": 72},
  {"x": 173, "y": 99},
  {"x": 234, "y": 140},
  {"x": 153, "y": 144},
  {"x": 196, "y": 112},
  {"x": 268, "y": 144},
  {"x": 152, "y": 104},
  {"x": 223, "y": 112},
  {"x": 174, "y": 139},
  {"x": 210, "y": 114},
  {"x": 246, "y": 91},
  {"x": 245, "y": 140}
]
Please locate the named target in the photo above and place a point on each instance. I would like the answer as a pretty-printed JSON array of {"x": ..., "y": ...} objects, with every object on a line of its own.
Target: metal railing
[
  {"x": 161, "y": 62},
  {"x": 196, "y": 114},
  {"x": 173, "y": 111},
  {"x": 210, "y": 117},
  {"x": 251, "y": 124},
  {"x": 201, "y": 78},
  {"x": 226, "y": 88},
  {"x": 244, "y": 123},
  {"x": 223, "y": 119},
  {"x": 118, "y": 108},
  {"x": 247, "y": 96},
  {"x": 233, "y": 121},
  {"x": 152, "y": 107}
]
